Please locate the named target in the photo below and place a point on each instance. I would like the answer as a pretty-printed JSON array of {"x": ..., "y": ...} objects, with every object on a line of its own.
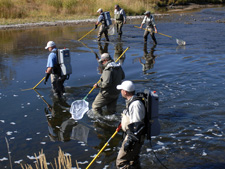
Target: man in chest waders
[
  {"x": 120, "y": 19},
  {"x": 112, "y": 75},
  {"x": 150, "y": 27},
  {"x": 103, "y": 28},
  {"x": 133, "y": 126},
  {"x": 54, "y": 70}
]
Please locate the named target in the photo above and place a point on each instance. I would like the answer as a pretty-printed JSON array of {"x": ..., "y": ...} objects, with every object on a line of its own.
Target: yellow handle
[
  {"x": 35, "y": 85},
  {"x": 154, "y": 32},
  {"x": 118, "y": 129},
  {"x": 165, "y": 35},
  {"x": 93, "y": 87},
  {"x": 88, "y": 33},
  {"x": 26, "y": 89},
  {"x": 39, "y": 83},
  {"x": 122, "y": 54},
  {"x": 101, "y": 150}
]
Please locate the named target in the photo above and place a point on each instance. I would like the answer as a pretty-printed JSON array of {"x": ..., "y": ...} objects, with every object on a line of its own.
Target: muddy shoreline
[{"x": 171, "y": 9}]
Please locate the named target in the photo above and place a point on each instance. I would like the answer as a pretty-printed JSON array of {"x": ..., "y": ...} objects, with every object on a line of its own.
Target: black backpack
[{"x": 150, "y": 100}]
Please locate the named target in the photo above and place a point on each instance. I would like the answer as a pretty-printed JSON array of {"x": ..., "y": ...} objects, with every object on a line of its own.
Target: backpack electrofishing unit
[
  {"x": 150, "y": 100},
  {"x": 107, "y": 18},
  {"x": 64, "y": 62}
]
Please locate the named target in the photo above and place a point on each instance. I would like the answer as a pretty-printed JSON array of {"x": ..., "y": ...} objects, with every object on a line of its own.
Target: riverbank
[
  {"x": 169, "y": 9},
  {"x": 189, "y": 7}
]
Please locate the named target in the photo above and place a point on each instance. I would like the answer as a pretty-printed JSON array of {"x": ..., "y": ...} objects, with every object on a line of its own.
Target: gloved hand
[
  {"x": 131, "y": 140},
  {"x": 128, "y": 145},
  {"x": 46, "y": 78},
  {"x": 96, "y": 26}
]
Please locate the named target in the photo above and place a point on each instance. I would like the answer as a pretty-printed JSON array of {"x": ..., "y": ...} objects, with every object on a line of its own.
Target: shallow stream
[{"x": 188, "y": 79}]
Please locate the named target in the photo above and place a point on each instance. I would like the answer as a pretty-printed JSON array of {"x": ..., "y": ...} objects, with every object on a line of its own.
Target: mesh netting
[
  {"x": 111, "y": 30},
  {"x": 78, "y": 109},
  {"x": 180, "y": 42}
]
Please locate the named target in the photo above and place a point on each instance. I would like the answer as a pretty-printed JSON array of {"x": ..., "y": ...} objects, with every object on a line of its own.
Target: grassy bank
[{"x": 22, "y": 11}]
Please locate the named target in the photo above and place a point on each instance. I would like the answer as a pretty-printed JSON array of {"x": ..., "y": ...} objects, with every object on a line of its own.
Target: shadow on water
[{"x": 189, "y": 80}]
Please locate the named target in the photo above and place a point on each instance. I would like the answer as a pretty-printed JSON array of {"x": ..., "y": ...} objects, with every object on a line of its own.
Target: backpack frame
[{"x": 150, "y": 100}]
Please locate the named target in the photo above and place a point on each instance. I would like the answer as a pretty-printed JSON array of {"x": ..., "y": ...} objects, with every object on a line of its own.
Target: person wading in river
[
  {"x": 103, "y": 28},
  {"x": 133, "y": 126},
  {"x": 150, "y": 28},
  {"x": 120, "y": 19},
  {"x": 54, "y": 70},
  {"x": 112, "y": 75}
]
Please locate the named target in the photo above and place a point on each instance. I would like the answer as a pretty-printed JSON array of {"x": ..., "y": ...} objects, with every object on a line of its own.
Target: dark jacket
[{"x": 112, "y": 76}]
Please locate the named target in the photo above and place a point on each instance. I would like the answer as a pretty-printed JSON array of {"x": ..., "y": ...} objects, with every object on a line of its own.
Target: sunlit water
[{"x": 188, "y": 79}]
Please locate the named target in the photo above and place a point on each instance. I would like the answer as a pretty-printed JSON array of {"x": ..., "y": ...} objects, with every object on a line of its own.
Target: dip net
[{"x": 78, "y": 109}]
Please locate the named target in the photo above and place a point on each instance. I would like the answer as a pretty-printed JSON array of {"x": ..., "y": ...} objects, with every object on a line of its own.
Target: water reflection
[
  {"x": 102, "y": 49},
  {"x": 19, "y": 45},
  {"x": 148, "y": 59},
  {"x": 118, "y": 51},
  {"x": 56, "y": 115},
  {"x": 72, "y": 130},
  {"x": 105, "y": 130},
  {"x": 7, "y": 73},
  {"x": 61, "y": 126}
]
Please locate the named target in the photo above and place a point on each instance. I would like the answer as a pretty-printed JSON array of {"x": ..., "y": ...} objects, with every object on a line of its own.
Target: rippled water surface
[{"x": 188, "y": 79}]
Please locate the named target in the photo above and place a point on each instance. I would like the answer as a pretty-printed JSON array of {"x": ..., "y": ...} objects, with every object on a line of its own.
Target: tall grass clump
[
  {"x": 57, "y": 4},
  {"x": 58, "y": 7},
  {"x": 69, "y": 6},
  {"x": 61, "y": 162},
  {"x": 8, "y": 9}
]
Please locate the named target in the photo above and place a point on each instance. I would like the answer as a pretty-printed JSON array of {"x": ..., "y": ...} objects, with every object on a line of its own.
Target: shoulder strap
[
  {"x": 136, "y": 98},
  {"x": 103, "y": 16}
]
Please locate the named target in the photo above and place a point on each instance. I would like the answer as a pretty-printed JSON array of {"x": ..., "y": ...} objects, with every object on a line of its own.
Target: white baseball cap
[
  {"x": 104, "y": 56},
  {"x": 50, "y": 44},
  {"x": 127, "y": 86},
  {"x": 147, "y": 12},
  {"x": 99, "y": 10}
]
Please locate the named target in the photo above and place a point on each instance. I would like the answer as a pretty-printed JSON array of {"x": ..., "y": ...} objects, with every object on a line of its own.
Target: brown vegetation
[
  {"x": 62, "y": 162},
  {"x": 22, "y": 11}
]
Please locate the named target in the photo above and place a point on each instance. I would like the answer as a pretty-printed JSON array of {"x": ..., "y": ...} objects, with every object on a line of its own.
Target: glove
[
  {"x": 134, "y": 132},
  {"x": 46, "y": 78},
  {"x": 131, "y": 140},
  {"x": 96, "y": 26}
]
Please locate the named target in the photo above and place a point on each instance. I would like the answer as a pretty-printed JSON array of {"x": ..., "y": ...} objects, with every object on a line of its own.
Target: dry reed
[
  {"x": 61, "y": 162},
  {"x": 48, "y": 8},
  {"x": 10, "y": 161},
  {"x": 20, "y": 11}
]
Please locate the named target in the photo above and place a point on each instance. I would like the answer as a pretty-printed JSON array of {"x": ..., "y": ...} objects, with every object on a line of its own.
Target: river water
[{"x": 188, "y": 79}]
